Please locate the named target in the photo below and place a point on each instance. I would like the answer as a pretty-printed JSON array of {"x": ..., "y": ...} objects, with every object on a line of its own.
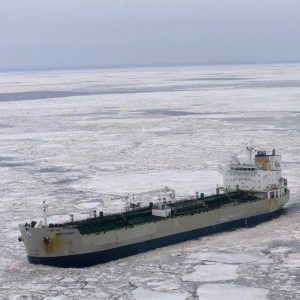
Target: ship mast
[
  {"x": 250, "y": 148},
  {"x": 45, "y": 206}
]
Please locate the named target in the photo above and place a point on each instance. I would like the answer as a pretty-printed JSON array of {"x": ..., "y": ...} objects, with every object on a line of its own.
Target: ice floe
[
  {"x": 229, "y": 291},
  {"x": 212, "y": 272},
  {"x": 144, "y": 294}
]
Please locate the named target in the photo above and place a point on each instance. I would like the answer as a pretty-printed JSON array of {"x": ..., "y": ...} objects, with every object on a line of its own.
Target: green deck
[{"x": 143, "y": 215}]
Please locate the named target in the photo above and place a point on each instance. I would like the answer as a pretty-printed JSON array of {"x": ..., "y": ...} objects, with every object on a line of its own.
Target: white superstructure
[{"x": 261, "y": 174}]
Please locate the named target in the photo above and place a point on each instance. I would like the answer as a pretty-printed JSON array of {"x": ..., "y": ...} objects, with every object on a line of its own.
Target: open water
[{"x": 82, "y": 140}]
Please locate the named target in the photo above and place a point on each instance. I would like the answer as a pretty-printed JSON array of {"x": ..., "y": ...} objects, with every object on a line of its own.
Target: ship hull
[{"x": 103, "y": 256}]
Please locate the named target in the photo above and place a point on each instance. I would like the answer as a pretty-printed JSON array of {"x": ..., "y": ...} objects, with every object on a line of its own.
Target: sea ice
[
  {"x": 140, "y": 130},
  {"x": 143, "y": 294},
  {"x": 228, "y": 258},
  {"x": 292, "y": 261},
  {"x": 212, "y": 272},
  {"x": 184, "y": 182},
  {"x": 230, "y": 291}
]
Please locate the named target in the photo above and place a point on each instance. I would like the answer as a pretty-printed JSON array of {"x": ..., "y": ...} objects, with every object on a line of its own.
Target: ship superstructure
[
  {"x": 252, "y": 192},
  {"x": 261, "y": 174}
]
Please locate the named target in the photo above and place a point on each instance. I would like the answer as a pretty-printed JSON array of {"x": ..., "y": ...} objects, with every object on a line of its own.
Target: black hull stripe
[{"x": 90, "y": 259}]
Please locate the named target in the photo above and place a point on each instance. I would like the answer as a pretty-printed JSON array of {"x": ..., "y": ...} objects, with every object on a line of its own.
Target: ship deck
[{"x": 143, "y": 215}]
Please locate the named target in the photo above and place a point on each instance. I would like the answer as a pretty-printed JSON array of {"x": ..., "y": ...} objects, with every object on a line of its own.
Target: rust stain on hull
[
  {"x": 272, "y": 204},
  {"x": 58, "y": 244},
  {"x": 52, "y": 244}
]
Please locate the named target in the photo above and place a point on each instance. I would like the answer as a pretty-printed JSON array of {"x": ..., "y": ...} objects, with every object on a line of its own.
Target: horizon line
[{"x": 137, "y": 66}]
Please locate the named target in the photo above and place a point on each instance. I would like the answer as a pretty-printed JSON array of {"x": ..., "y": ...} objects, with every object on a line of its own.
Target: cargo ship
[{"x": 252, "y": 192}]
